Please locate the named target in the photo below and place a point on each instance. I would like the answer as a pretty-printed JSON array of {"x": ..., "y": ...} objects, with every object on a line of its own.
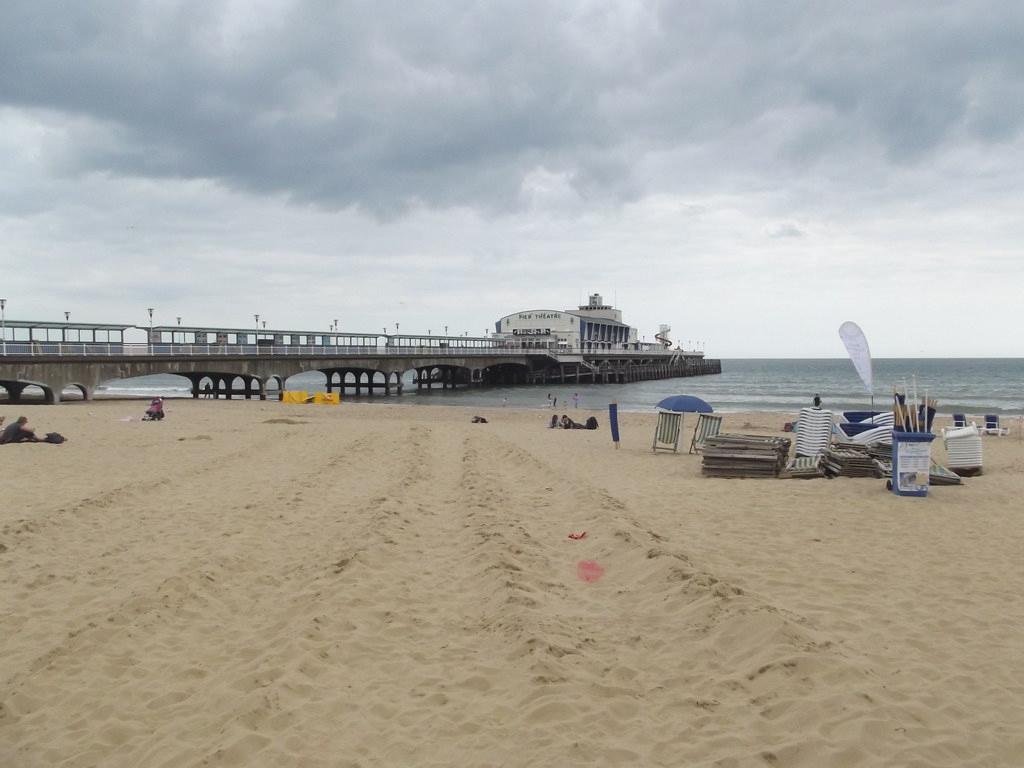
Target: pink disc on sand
[{"x": 589, "y": 570}]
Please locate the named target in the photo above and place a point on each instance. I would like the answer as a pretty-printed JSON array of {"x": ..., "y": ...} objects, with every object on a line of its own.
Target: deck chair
[
  {"x": 992, "y": 426},
  {"x": 959, "y": 420},
  {"x": 708, "y": 425},
  {"x": 667, "y": 431}
]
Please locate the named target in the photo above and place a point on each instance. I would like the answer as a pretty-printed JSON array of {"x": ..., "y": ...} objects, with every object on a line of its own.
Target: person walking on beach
[
  {"x": 817, "y": 401},
  {"x": 549, "y": 401}
]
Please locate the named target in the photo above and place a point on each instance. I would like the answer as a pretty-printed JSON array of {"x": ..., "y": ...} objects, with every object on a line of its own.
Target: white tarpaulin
[{"x": 857, "y": 347}]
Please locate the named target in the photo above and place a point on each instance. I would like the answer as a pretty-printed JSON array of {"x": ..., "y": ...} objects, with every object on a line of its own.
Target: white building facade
[{"x": 594, "y": 327}]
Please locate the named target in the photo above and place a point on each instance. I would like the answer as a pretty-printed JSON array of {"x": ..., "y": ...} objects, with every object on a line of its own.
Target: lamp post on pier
[
  {"x": 64, "y": 331},
  {"x": 256, "y": 336},
  {"x": 150, "y": 310}
]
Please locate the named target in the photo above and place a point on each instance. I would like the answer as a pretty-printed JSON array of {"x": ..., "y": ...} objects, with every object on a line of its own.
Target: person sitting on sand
[
  {"x": 554, "y": 422},
  {"x": 478, "y": 420},
  {"x": 18, "y": 432},
  {"x": 155, "y": 412}
]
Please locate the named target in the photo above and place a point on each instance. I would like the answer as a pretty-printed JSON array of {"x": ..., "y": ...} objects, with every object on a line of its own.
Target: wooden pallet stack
[
  {"x": 728, "y": 455},
  {"x": 850, "y": 461}
]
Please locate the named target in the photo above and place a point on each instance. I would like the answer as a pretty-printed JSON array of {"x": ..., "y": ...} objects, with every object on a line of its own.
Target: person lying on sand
[
  {"x": 478, "y": 420},
  {"x": 567, "y": 423},
  {"x": 18, "y": 432}
]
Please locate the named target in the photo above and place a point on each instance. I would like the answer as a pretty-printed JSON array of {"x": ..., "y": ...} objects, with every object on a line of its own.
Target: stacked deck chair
[
  {"x": 849, "y": 430},
  {"x": 744, "y": 456},
  {"x": 881, "y": 434},
  {"x": 813, "y": 436},
  {"x": 666, "y": 433},
  {"x": 813, "y": 432},
  {"x": 882, "y": 453},
  {"x": 855, "y": 417},
  {"x": 708, "y": 425},
  {"x": 963, "y": 450}
]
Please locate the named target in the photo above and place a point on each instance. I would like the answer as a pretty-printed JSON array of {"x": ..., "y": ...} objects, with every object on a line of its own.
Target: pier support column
[{"x": 14, "y": 390}]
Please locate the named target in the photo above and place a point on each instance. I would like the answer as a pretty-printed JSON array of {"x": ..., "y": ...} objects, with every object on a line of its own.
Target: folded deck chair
[
  {"x": 708, "y": 425},
  {"x": 667, "y": 431},
  {"x": 959, "y": 420},
  {"x": 992, "y": 426}
]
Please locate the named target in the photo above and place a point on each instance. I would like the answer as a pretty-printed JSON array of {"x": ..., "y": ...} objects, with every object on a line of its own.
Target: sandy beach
[{"x": 255, "y": 584}]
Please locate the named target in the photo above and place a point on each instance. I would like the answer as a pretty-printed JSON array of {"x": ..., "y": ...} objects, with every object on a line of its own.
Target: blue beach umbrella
[{"x": 685, "y": 404}]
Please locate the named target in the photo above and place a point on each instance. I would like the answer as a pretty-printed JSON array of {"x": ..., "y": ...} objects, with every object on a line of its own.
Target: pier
[{"x": 47, "y": 358}]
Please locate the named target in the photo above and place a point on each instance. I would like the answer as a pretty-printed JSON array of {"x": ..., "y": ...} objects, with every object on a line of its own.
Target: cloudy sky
[{"x": 752, "y": 173}]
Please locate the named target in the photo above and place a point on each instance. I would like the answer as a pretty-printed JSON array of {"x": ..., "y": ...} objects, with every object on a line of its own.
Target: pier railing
[{"x": 98, "y": 349}]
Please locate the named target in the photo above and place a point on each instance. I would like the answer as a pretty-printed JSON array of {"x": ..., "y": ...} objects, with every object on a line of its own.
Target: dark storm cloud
[{"x": 378, "y": 104}]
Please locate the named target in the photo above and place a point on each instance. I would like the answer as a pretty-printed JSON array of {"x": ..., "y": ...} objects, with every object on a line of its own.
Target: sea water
[{"x": 975, "y": 386}]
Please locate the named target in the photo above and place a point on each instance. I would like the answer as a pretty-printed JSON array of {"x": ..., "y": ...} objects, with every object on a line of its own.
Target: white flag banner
[{"x": 857, "y": 348}]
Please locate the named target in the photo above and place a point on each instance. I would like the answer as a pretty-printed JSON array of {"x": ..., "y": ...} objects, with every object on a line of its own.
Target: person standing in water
[{"x": 817, "y": 401}]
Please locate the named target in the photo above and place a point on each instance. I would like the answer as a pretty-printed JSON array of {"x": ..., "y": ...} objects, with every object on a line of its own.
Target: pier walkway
[{"x": 376, "y": 365}]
